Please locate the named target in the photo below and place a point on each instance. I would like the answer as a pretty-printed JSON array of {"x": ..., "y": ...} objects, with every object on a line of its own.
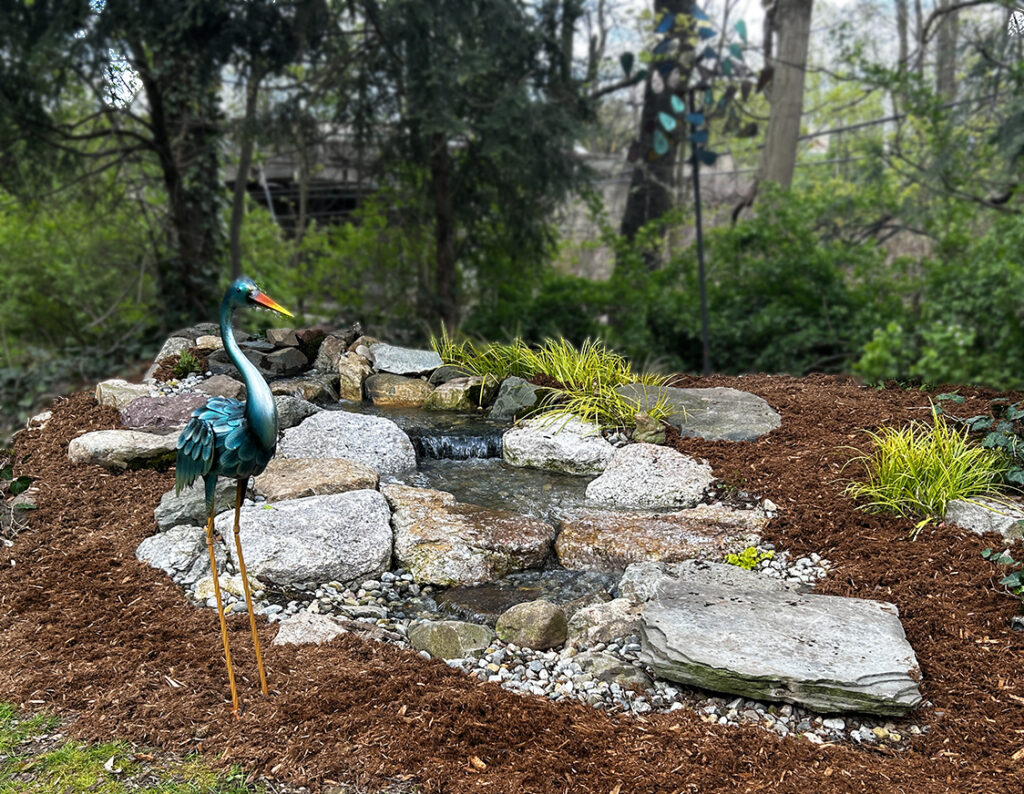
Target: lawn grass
[{"x": 32, "y": 761}]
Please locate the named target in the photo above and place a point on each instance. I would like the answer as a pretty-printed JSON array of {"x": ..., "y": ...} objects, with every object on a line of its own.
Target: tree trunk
[
  {"x": 918, "y": 35},
  {"x": 793, "y": 25},
  {"x": 247, "y": 140},
  {"x": 186, "y": 140},
  {"x": 444, "y": 232},
  {"x": 652, "y": 186},
  {"x": 902, "y": 18},
  {"x": 945, "y": 53}
]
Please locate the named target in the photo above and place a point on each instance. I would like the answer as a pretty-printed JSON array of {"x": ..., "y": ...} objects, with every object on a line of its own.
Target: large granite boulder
[
  {"x": 533, "y": 624},
  {"x": 282, "y": 337},
  {"x": 311, "y": 386},
  {"x": 611, "y": 541},
  {"x": 285, "y": 362},
  {"x": 828, "y": 653},
  {"x": 118, "y": 450},
  {"x": 645, "y": 475},
  {"x": 353, "y": 370},
  {"x": 450, "y": 639},
  {"x": 987, "y": 515},
  {"x": 371, "y": 440},
  {"x": 403, "y": 360},
  {"x": 516, "y": 398},
  {"x": 396, "y": 391},
  {"x": 292, "y": 410},
  {"x": 461, "y": 394},
  {"x": 118, "y": 394},
  {"x": 181, "y": 553},
  {"x": 441, "y": 541},
  {"x": 717, "y": 414},
  {"x": 342, "y": 537},
  {"x": 161, "y": 414},
  {"x": 189, "y": 507},
  {"x": 295, "y": 478},
  {"x": 563, "y": 444},
  {"x": 223, "y": 386},
  {"x": 331, "y": 349}
]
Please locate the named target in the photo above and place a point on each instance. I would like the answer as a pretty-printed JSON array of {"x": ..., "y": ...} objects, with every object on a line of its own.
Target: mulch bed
[{"x": 88, "y": 631}]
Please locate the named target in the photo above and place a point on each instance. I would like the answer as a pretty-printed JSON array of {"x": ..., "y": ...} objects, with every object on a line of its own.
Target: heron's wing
[{"x": 198, "y": 443}]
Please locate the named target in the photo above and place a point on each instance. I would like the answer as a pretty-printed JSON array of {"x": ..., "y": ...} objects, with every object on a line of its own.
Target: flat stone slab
[
  {"x": 716, "y": 414},
  {"x": 403, "y": 360},
  {"x": 340, "y": 537},
  {"x": 396, "y": 391},
  {"x": 118, "y": 450},
  {"x": 611, "y": 541},
  {"x": 295, "y": 478},
  {"x": 828, "y": 653},
  {"x": 371, "y": 440},
  {"x": 450, "y": 639},
  {"x": 161, "y": 414},
  {"x": 646, "y": 475},
  {"x": 567, "y": 445},
  {"x": 986, "y": 515},
  {"x": 441, "y": 541},
  {"x": 306, "y": 628}
]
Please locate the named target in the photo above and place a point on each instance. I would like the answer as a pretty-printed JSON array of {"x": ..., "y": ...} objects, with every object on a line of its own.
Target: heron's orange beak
[{"x": 270, "y": 303}]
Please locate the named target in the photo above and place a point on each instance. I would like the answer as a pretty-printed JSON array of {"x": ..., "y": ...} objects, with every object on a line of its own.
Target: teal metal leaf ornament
[
  {"x": 666, "y": 23},
  {"x": 660, "y": 143},
  {"x": 741, "y": 28},
  {"x": 667, "y": 121},
  {"x": 699, "y": 137},
  {"x": 626, "y": 59},
  {"x": 706, "y": 156},
  {"x": 678, "y": 106},
  {"x": 696, "y": 119},
  {"x": 727, "y": 67},
  {"x": 736, "y": 50},
  {"x": 698, "y": 14},
  {"x": 706, "y": 33}
]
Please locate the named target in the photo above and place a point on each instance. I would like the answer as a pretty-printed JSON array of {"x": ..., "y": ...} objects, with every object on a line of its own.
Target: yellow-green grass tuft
[{"x": 916, "y": 470}]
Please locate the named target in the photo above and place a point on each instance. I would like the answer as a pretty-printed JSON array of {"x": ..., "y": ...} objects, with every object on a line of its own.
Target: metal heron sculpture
[{"x": 230, "y": 438}]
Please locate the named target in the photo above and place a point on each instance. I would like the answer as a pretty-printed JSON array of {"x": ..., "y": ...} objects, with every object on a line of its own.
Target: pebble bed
[{"x": 554, "y": 674}]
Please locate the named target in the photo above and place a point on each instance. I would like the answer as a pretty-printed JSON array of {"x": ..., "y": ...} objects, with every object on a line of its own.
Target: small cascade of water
[{"x": 456, "y": 445}]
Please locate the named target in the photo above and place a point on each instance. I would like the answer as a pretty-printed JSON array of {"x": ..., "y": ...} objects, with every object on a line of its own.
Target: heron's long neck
[{"x": 260, "y": 408}]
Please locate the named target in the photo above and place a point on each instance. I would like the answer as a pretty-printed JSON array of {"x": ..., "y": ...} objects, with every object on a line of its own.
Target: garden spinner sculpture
[{"x": 234, "y": 439}]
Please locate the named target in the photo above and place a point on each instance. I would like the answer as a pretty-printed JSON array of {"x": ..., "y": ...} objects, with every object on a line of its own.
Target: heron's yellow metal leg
[
  {"x": 220, "y": 612},
  {"x": 242, "y": 485}
]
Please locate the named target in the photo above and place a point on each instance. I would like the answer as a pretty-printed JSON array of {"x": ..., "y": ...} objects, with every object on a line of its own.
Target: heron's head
[{"x": 244, "y": 292}]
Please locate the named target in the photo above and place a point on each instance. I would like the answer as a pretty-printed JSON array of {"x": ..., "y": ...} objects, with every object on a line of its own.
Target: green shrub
[{"x": 918, "y": 469}]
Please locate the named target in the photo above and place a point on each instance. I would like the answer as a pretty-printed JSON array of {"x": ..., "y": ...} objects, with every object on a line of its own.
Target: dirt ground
[{"x": 87, "y": 631}]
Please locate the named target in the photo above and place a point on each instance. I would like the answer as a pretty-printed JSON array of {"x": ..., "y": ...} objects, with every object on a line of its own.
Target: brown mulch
[{"x": 88, "y": 631}]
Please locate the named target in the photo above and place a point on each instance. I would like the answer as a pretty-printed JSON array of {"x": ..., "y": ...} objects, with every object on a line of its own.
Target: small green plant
[
  {"x": 187, "y": 362},
  {"x": 1015, "y": 578},
  {"x": 918, "y": 469},
  {"x": 749, "y": 558},
  {"x": 1001, "y": 429}
]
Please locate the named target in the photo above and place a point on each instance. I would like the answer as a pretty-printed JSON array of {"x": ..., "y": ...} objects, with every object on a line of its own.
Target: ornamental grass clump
[
  {"x": 918, "y": 469},
  {"x": 582, "y": 381}
]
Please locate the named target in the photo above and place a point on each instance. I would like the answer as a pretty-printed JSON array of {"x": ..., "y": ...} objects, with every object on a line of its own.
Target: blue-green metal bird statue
[{"x": 234, "y": 439}]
